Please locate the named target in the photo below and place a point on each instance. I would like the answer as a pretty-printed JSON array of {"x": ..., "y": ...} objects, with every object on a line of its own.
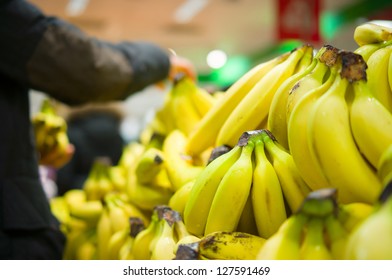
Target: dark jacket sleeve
[{"x": 53, "y": 56}]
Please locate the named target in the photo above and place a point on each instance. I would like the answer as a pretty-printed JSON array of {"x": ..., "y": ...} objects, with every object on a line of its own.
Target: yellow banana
[
  {"x": 185, "y": 113},
  {"x": 371, "y": 122},
  {"x": 204, "y": 136},
  {"x": 125, "y": 243},
  {"x": 163, "y": 247},
  {"x": 87, "y": 250},
  {"x": 332, "y": 144},
  {"x": 149, "y": 165},
  {"x": 179, "y": 199},
  {"x": 203, "y": 100},
  {"x": 116, "y": 242},
  {"x": 131, "y": 152},
  {"x": 223, "y": 245},
  {"x": 377, "y": 76},
  {"x": 369, "y": 33},
  {"x": 267, "y": 196},
  {"x": 232, "y": 193},
  {"x": 293, "y": 186},
  {"x": 352, "y": 214},
  {"x": 372, "y": 239},
  {"x": 254, "y": 107},
  {"x": 104, "y": 233},
  {"x": 180, "y": 167},
  {"x": 313, "y": 246},
  {"x": 297, "y": 127},
  {"x": 384, "y": 166},
  {"x": 203, "y": 191},
  {"x": 247, "y": 221},
  {"x": 141, "y": 246},
  {"x": 98, "y": 182},
  {"x": 337, "y": 237},
  {"x": 144, "y": 196},
  {"x": 277, "y": 122},
  {"x": 59, "y": 208},
  {"x": 286, "y": 242}
]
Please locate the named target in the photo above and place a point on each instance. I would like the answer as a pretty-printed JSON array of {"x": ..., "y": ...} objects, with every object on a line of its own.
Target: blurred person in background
[{"x": 49, "y": 55}]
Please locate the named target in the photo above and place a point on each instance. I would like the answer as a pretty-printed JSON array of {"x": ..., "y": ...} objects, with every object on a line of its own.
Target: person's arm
[{"x": 52, "y": 56}]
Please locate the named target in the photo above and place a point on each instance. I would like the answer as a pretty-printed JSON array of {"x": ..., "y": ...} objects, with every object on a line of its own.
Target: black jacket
[{"x": 46, "y": 54}]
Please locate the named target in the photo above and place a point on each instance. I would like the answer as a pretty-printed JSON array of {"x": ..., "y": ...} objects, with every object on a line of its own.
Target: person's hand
[
  {"x": 57, "y": 159},
  {"x": 181, "y": 65}
]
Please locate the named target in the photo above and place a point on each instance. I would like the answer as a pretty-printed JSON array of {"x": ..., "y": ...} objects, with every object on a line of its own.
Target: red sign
[{"x": 299, "y": 19}]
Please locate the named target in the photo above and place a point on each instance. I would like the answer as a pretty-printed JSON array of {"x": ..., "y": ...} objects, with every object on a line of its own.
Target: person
[
  {"x": 47, "y": 54},
  {"x": 94, "y": 131}
]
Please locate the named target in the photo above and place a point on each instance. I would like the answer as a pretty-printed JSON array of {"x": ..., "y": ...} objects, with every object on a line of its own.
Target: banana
[
  {"x": 141, "y": 246},
  {"x": 203, "y": 191},
  {"x": 98, "y": 182},
  {"x": 202, "y": 100},
  {"x": 204, "y": 136},
  {"x": 124, "y": 248},
  {"x": 266, "y": 194},
  {"x": 384, "y": 166},
  {"x": 247, "y": 221},
  {"x": 352, "y": 214},
  {"x": 369, "y": 33},
  {"x": 329, "y": 126},
  {"x": 87, "y": 250},
  {"x": 185, "y": 114},
  {"x": 337, "y": 237},
  {"x": 293, "y": 186},
  {"x": 372, "y": 239},
  {"x": 277, "y": 122},
  {"x": 182, "y": 235},
  {"x": 151, "y": 162},
  {"x": 118, "y": 177},
  {"x": 74, "y": 241},
  {"x": 164, "y": 247},
  {"x": 377, "y": 76},
  {"x": 254, "y": 107},
  {"x": 313, "y": 246},
  {"x": 104, "y": 233},
  {"x": 223, "y": 245},
  {"x": 180, "y": 167},
  {"x": 131, "y": 152},
  {"x": 60, "y": 208},
  {"x": 232, "y": 193},
  {"x": 303, "y": 98},
  {"x": 116, "y": 242},
  {"x": 285, "y": 244},
  {"x": 370, "y": 121},
  {"x": 367, "y": 50},
  {"x": 179, "y": 199},
  {"x": 144, "y": 196}
]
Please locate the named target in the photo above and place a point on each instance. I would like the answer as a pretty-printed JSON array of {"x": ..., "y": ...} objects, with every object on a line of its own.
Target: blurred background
[{"x": 222, "y": 38}]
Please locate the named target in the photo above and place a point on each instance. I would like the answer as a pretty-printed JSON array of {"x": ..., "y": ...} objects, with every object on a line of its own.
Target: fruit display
[{"x": 292, "y": 161}]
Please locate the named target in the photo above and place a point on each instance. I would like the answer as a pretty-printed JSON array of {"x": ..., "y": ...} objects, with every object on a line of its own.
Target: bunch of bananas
[
  {"x": 245, "y": 105},
  {"x": 256, "y": 172},
  {"x": 50, "y": 131},
  {"x": 246, "y": 189},
  {"x": 184, "y": 106},
  {"x": 319, "y": 230}
]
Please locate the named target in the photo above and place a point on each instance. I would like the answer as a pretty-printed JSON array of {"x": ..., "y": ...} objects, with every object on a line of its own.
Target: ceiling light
[
  {"x": 216, "y": 59},
  {"x": 188, "y": 10},
  {"x": 76, "y": 7}
]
